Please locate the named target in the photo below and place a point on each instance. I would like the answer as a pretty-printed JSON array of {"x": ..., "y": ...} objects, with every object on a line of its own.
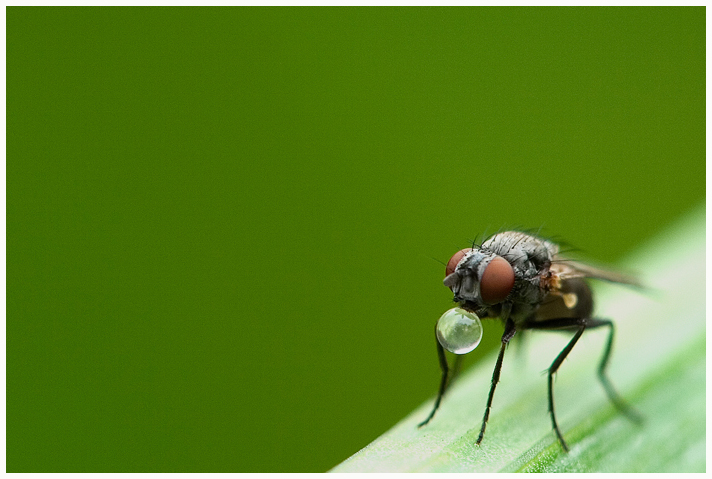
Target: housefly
[{"x": 525, "y": 282}]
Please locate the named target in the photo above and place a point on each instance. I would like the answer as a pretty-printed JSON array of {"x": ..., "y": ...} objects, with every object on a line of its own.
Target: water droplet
[{"x": 459, "y": 331}]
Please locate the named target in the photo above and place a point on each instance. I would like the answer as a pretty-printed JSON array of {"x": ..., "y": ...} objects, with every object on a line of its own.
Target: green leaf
[{"x": 658, "y": 366}]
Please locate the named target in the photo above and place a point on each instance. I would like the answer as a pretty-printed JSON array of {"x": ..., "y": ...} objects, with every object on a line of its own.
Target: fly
[{"x": 525, "y": 282}]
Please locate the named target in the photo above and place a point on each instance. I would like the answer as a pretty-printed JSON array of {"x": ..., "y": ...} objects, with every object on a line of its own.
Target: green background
[{"x": 224, "y": 225}]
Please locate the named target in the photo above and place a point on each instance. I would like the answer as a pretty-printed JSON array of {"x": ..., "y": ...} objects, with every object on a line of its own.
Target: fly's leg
[
  {"x": 615, "y": 398},
  {"x": 552, "y": 370},
  {"x": 551, "y": 324},
  {"x": 580, "y": 325},
  {"x": 509, "y": 331},
  {"x": 443, "y": 379}
]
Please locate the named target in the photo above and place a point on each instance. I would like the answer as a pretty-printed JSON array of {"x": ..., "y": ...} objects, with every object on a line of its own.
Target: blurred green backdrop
[{"x": 224, "y": 224}]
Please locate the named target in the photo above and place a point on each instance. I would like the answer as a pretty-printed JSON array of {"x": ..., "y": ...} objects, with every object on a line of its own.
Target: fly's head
[{"x": 479, "y": 279}]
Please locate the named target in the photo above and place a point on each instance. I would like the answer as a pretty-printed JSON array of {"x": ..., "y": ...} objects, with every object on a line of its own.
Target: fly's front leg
[
  {"x": 509, "y": 331},
  {"x": 443, "y": 379}
]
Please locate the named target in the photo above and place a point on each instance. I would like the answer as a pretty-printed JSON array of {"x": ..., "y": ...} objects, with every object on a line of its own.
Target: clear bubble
[{"x": 459, "y": 331}]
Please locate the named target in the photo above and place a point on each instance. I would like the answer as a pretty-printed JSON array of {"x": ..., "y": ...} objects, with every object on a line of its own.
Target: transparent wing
[{"x": 567, "y": 269}]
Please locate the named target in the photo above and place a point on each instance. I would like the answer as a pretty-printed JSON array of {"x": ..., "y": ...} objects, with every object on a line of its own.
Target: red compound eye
[
  {"x": 497, "y": 281},
  {"x": 456, "y": 258}
]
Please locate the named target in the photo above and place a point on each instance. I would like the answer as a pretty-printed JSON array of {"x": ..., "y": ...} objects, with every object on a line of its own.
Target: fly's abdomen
[{"x": 573, "y": 300}]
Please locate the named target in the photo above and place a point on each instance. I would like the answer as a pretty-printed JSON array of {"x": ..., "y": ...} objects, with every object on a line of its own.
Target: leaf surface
[{"x": 657, "y": 365}]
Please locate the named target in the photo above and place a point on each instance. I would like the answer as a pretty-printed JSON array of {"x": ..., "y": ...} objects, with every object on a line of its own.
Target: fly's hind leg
[
  {"x": 579, "y": 325},
  {"x": 615, "y": 398}
]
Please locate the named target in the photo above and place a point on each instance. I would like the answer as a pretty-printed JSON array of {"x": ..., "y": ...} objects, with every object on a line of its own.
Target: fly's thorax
[
  {"x": 530, "y": 258},
  {"x": 528, "y": 254}
]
